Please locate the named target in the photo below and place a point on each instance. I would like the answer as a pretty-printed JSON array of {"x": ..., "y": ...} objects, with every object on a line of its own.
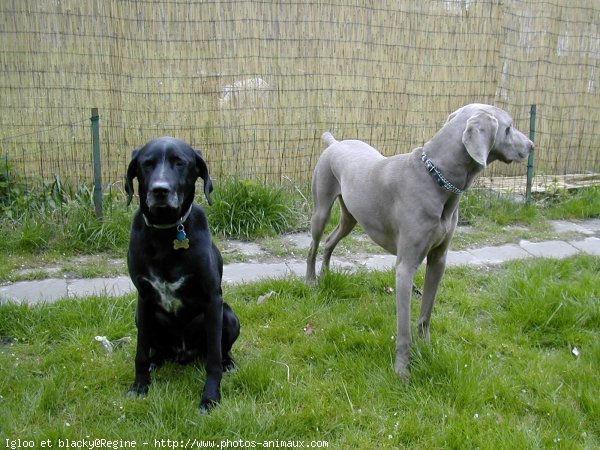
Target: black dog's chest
[
  {"x": 169, "y": 295},
  {"x": 173, "y": 289}
]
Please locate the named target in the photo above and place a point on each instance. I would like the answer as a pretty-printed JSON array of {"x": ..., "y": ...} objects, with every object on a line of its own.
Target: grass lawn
[{"x": 513, "y": 364}]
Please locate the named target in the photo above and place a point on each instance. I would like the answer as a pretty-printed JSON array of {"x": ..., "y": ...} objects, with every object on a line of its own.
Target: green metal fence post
[
  {"x": 97, "y": 163},
  {"x": 530, "y": 161}
]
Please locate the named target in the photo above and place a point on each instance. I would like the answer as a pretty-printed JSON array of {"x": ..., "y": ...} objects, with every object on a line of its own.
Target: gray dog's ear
[
  {"x": 131, "y": 174},
  {"x": 202, "y": 169},
  {"x": 479, "y": 136},
  {"x": 453, "y": 115}
]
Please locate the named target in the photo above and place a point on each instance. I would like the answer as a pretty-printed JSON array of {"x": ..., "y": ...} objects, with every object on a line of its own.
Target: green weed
[
  {"x": 580, "y": 204},
  {"x": 60, "y": 219},
  {"x": 246, "y": 210},
  {"x": 55, "y": 219},
  {"x": 498, "y": 209}
]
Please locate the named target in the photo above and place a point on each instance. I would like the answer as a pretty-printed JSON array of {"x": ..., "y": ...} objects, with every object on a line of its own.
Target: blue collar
[{"x": 438, "y": 177}]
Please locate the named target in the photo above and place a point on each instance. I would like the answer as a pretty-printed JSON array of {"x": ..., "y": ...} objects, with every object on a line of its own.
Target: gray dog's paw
[
  {"x": 311, "y": 281},
  {"x": 403, "y": 372}
]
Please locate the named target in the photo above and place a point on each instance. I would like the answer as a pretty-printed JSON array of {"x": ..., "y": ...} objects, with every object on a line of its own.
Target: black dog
[{"x": 176, "y": 269}]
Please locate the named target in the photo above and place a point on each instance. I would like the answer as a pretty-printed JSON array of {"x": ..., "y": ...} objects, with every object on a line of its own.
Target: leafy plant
[
  {"x": 581, "y": 204},
  {"x": 58, "y": 217},
  {"x": 245, "y": 209},
  {"x": 498, "y": 208},
  {"x": 62, "y": 218},
  {"x": 5, "y": 182}
]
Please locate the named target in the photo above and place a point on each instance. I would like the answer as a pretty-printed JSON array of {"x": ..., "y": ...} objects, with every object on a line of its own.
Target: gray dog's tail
[{"x": 328, "y": 138}]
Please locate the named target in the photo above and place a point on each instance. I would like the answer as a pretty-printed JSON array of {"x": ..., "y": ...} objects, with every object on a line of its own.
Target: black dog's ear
[
  {"x": 202, "y": 171},
  {"x": 131, "y": 174}
]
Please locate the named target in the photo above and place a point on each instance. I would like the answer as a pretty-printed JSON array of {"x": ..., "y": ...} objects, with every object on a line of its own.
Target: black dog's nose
[{"x": 160, "y": 189}]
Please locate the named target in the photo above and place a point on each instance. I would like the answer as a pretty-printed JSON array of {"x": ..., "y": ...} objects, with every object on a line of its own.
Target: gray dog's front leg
[
  {"x": 405, "y": 274},
  {"x": 436, "y": 265}
]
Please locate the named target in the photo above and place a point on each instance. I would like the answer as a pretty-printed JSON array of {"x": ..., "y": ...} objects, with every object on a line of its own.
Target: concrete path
[{"x": 52, "y": 289}]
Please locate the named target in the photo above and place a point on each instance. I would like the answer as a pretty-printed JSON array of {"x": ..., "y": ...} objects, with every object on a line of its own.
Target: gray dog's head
[
  {"x": 167, "y": 170},
  {"x": 489, "y": 134}
]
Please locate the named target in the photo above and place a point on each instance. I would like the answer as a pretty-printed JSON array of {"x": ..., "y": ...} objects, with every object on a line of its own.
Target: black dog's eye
[
  {"x": 148, "y": 164},
  {"x": 178, "y": 162}
]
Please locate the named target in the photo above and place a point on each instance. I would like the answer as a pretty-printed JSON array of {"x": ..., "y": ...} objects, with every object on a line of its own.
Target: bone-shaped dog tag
[
  {"x": 177, "y": 244},
  {"x": 181, "y": 242}
]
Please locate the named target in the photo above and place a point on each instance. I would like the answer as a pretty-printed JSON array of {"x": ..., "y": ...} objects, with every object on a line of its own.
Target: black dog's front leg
[
  {"x": 214, "y": 361},
  {"x": 142, "y": 356}
]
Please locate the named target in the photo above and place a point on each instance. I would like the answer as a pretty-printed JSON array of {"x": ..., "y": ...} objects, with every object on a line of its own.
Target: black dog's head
[{"x": 167, "y": 170}]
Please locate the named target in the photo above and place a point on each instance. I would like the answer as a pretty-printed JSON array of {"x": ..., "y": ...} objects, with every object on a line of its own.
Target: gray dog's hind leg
[
  {"x": 318, "y": 221},
  {"x": 323, "y": 202},
  {"x": 346, "y": 225}
]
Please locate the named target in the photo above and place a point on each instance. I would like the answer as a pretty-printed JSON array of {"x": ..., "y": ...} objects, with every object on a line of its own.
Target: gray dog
[{"x": 408, "y": 204}]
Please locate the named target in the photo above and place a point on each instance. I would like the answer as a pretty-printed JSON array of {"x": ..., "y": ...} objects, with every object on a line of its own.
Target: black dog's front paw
[
  {"x": 210, "y": 398},
  {"x": 207, "y": 404},
  {"x": 228, "y": 364},
  {"x": 138, "y": 391}
]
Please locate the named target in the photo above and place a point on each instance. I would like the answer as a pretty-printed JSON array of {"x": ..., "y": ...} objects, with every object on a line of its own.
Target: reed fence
[{"x": 254, "y": 83}]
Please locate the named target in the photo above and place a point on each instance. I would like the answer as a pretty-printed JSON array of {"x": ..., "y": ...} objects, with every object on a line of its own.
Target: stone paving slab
[
  {"x": 498, "y": 255},
  {"x": 33, "y": 292},
  {"x": 592, "y": 225},
  {"x": 549, "y": 249},
  {"x": 52, "y": 289},
  {"x": 461, "y": 258},
  {"x": 380, "y": 262},
  {"x": 564, "y": 226},
  {"x": 113, "y": 287},
  {"x": 336, "y": 264},
  {"x": 248, "y": 272},
  {"x": 589, "y": 245}
]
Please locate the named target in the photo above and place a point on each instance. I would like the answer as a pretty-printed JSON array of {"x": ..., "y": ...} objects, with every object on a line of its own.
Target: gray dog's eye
[{"x": 508, "y": 129}]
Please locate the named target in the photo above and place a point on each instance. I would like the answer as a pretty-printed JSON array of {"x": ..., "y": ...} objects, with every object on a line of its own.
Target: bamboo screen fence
[{"x": 254, "y": 83}]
